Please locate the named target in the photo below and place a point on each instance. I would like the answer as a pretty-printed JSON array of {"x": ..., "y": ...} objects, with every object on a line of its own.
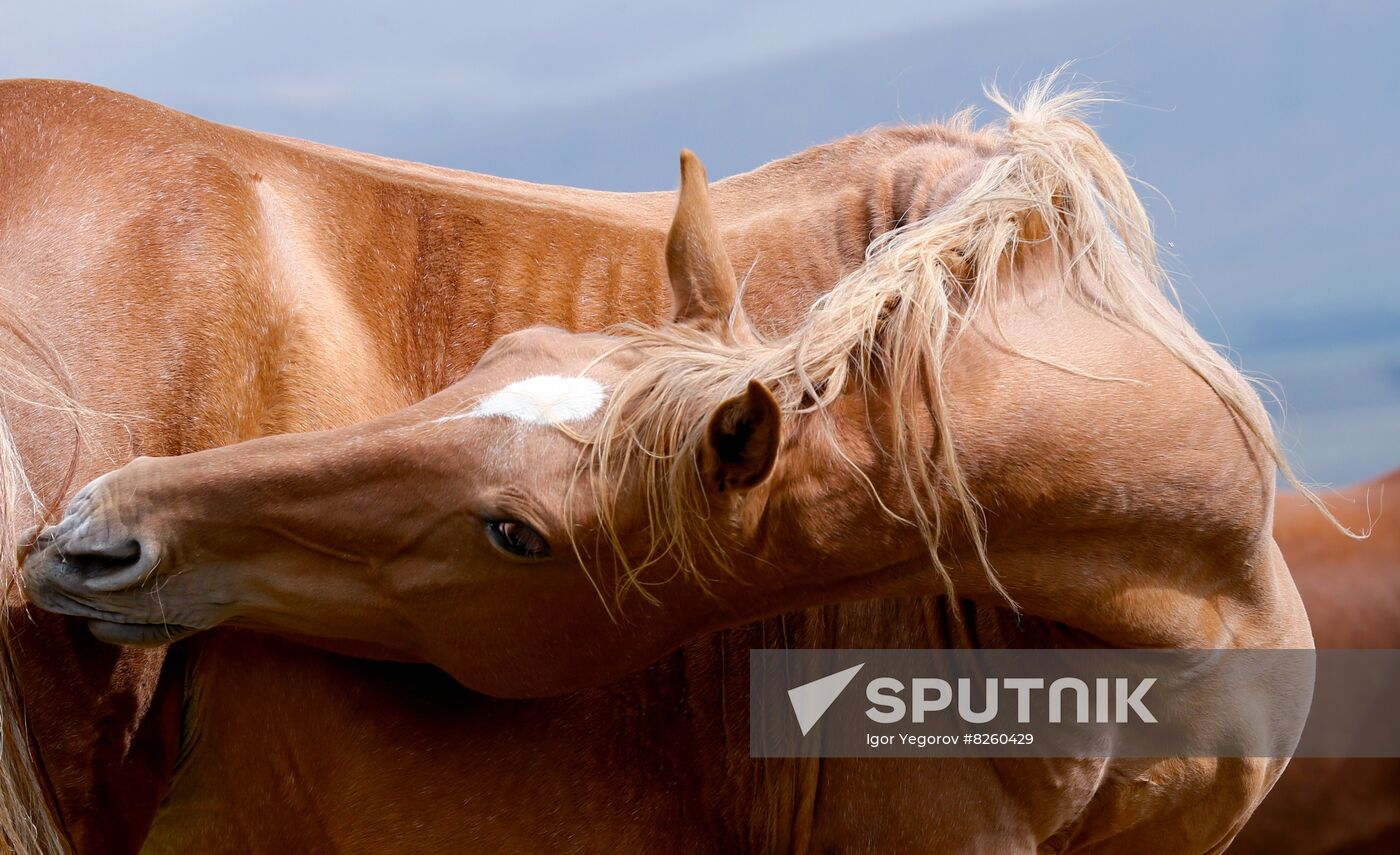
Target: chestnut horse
[{"x": 998, "y": 398}]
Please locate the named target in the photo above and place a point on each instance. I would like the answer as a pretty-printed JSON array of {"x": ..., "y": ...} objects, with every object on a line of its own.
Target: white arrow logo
[{"x": 810, "y": 701}]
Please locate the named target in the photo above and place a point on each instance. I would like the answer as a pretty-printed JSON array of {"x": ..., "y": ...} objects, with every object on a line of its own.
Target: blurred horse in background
[{"x": 1351, "y": 588}]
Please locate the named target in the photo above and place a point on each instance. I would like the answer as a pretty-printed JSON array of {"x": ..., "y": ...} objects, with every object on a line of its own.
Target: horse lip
[
  {"x": 139, "y": 634},
  {"x": 60, "y": 600}
]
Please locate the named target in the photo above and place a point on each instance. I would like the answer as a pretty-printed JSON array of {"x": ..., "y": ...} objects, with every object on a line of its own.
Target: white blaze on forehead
[{"x": 547, "y": 399}]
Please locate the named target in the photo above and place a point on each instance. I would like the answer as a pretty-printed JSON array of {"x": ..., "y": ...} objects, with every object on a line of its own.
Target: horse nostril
[{"x": 102, "y": 560}]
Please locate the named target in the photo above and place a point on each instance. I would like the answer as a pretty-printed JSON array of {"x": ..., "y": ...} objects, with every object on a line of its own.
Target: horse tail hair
[{"x": 32, "y": 376}]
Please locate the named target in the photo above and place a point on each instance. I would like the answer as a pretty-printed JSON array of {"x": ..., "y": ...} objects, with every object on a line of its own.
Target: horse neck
[{"x": 1144, "y": 494}]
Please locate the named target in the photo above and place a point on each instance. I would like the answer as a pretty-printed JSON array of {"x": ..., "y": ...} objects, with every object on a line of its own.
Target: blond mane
[{"x": 1049, "y": 180}]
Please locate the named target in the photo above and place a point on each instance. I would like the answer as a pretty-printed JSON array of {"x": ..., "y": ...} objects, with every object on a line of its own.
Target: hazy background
[{"x": 1270, "y": 126}]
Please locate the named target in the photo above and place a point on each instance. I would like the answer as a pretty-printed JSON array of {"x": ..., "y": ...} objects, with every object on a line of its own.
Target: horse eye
[{"x": 517, "y": 538}]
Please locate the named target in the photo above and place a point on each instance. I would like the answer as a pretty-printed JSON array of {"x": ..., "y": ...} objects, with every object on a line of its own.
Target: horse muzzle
[{"x": 91, "y": 567}]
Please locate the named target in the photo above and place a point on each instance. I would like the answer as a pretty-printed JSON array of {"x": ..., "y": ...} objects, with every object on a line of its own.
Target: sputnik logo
[{"x": 810, "y": 701}]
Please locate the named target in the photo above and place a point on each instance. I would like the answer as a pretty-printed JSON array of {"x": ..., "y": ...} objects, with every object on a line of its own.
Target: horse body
[{"x": 656, "y": 760}]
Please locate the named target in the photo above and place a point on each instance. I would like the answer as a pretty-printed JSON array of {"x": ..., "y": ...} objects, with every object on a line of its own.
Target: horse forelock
[{"x": 1049, "y": 181}]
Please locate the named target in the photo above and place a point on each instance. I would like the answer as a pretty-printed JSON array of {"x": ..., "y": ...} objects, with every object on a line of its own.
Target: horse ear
[
  {"x": 702, "y": 281},
  {"x": 741, "y": 440}
]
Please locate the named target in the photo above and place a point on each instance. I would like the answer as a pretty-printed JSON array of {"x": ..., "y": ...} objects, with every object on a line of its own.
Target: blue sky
[{"x": 1269, "y": 125}]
